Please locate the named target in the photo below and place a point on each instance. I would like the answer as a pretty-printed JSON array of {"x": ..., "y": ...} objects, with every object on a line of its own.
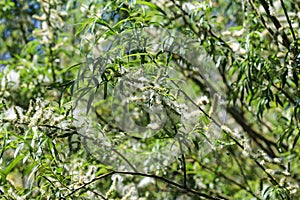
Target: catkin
[{"x": 214, "y": 105}]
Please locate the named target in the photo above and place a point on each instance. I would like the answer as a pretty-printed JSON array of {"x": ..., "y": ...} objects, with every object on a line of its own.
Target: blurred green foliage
[{"x": 241, "y": 138}]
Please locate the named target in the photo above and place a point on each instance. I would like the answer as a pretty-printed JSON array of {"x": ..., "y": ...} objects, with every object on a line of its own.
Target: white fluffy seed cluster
[{"x": 38, "y": 113}]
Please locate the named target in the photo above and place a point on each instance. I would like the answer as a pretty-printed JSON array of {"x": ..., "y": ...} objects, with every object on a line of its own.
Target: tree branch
[{"x": 174, "y": 184}]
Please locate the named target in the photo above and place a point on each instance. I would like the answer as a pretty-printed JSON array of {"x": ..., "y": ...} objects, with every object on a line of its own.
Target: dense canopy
[{"x": 149, "y": 99}]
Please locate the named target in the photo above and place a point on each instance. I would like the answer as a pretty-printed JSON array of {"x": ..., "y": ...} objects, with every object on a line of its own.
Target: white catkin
[
  {"x": 128, "y": 195},
  {"x": 112, "y": 189},
  {"x": 38, "y": 115},
  {"x": 214, "y": 105},
  {"x": 30, "y": 109},
  {"x": 226, "y": 129}
]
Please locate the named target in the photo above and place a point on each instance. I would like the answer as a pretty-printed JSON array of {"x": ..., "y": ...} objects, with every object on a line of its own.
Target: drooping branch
[{"x": 213, "y": 196}]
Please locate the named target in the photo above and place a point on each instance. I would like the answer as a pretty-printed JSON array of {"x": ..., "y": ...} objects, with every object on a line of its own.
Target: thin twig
[
  {"x": 261, "y": 18},
  {"x": 288, "y": 19},
  {"x": 276, "y": 23},
  {"x": 181, "y": 187},
  {"x": 229, "y": 134},
  {"x": 90, "y": 182},
  {"x": 183, "y": 163},
  {"x": 125, "y": 159},
  {"x": 227, "y": 178}
]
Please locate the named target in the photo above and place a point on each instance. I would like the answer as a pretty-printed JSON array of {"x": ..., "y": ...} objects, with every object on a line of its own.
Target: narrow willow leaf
[
  {"x": 90, "y": 101},
  {"x": 152, "y": 5},
  {"x": 278, "y": 101},
  {"x": 295, "y": 78},
  {"x": 4, "y": 143},
  {"x": 67, "y": 69},
  {"x": 103, "y": 23},
  {"x": 84, "y": 25},
  {"x": 296, "y": 139},
  {"x": 19, "y": 147},
  {"x": 105, "y": 90},
  {"x": 13, "y": 163}
]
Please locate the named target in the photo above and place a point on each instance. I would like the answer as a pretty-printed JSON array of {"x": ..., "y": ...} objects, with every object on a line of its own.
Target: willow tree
[{"x": 150, "y": 99}]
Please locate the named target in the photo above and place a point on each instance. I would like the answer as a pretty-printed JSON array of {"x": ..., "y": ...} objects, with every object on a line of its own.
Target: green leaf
[
  {"x": 90, "y": 101},
  {"x": 4, "y": 144},
  {"x": 103, "y": 23},
  {"x": 67, "y": 69},
  {"x": 83, "y": 25},
  {"x": 12, "y": 164},
  {"x": 151, "y": 5}
]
